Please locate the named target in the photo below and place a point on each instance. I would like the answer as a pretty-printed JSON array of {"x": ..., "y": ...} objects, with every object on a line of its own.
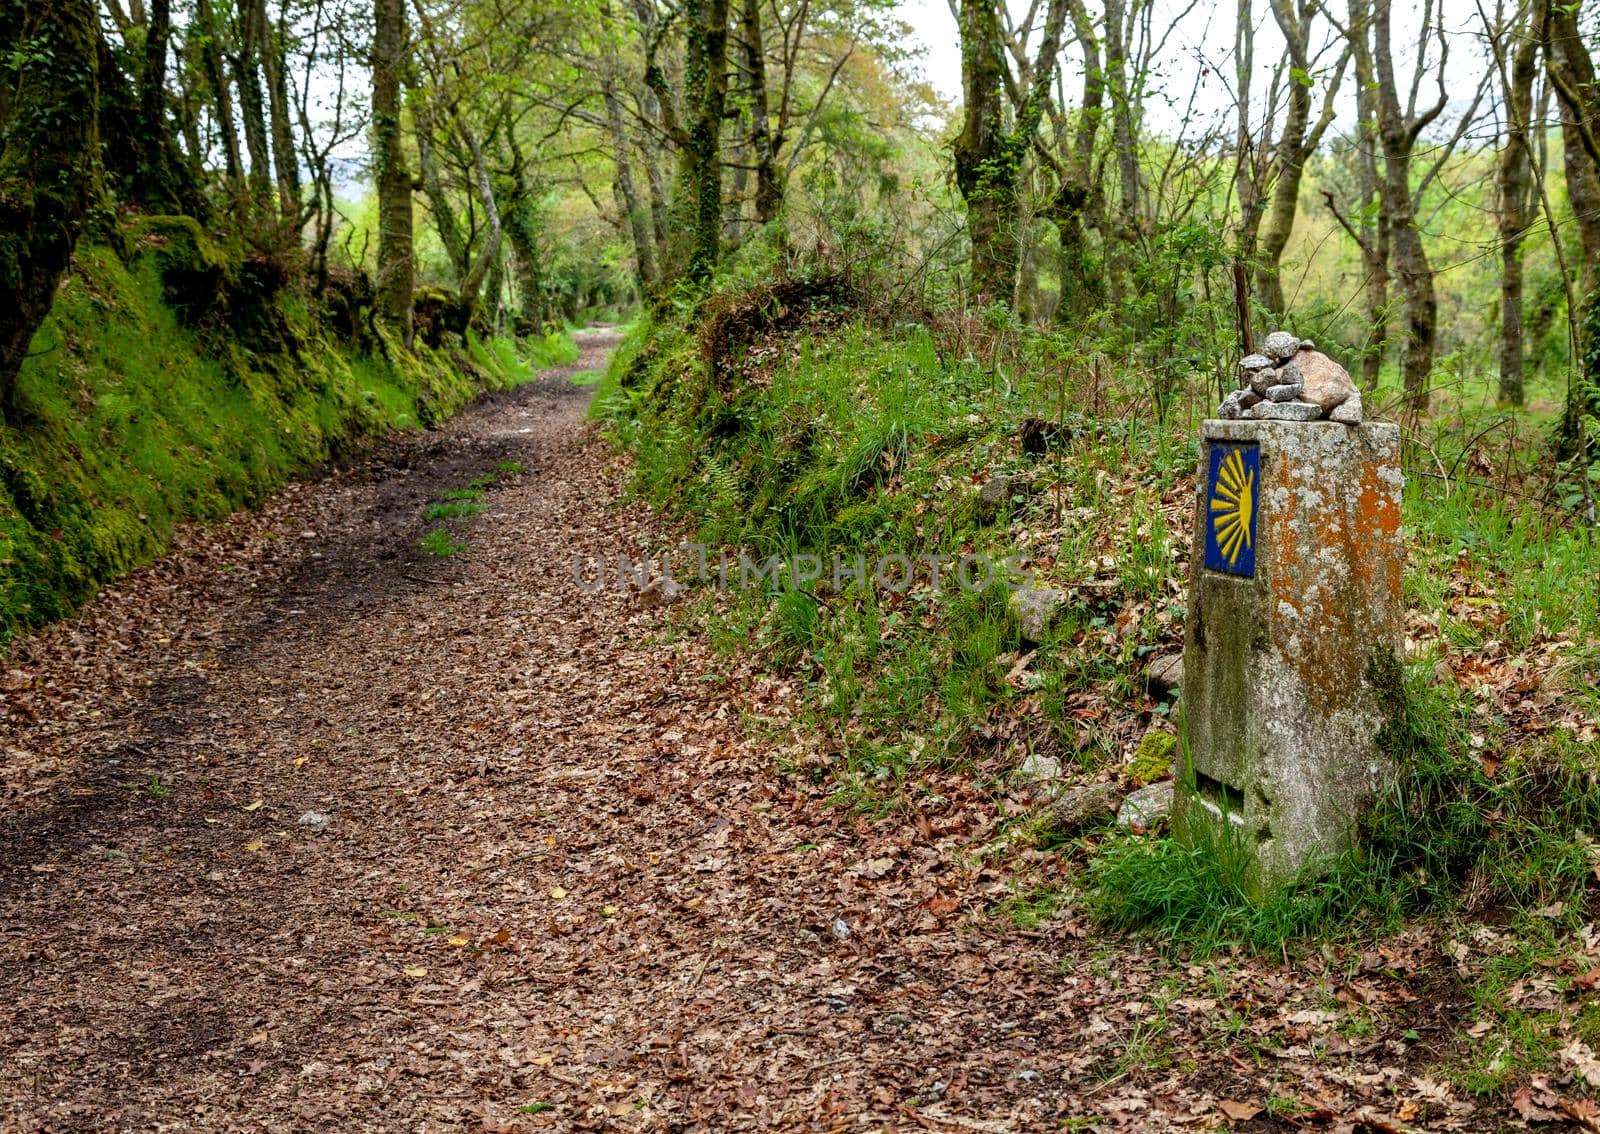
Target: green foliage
[
  {"x": 520, "y": 360},
  {"x": 450, "y": 510},
  {"x": 1153, "y": 760},
  {"x": 197, "y": 275},
  {"x": 1176, "y": 311},
  {"x": 1197, "y": 895},
  {"x": 1508, "y": 830},
  {"x": 50, "y": 178}
]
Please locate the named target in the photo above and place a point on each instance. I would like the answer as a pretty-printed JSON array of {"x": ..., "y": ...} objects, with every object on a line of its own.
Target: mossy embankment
[{"x": 176, "y": 379}]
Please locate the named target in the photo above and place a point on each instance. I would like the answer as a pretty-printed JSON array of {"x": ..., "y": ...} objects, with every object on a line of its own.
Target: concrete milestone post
[{"x": 1294, "y": 588}]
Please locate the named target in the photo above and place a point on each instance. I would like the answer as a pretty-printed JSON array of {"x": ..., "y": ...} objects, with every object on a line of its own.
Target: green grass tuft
[
  {"x": 450, "y": 510},
  {"x": 439, "y": 542}
]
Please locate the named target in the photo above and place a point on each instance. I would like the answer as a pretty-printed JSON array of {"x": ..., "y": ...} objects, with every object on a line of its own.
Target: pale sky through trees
[{"x": 1201, "y": 41}]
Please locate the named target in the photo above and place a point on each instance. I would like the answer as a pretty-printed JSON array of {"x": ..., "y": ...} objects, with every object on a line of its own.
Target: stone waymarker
[{"x": 1294, "y": 588}]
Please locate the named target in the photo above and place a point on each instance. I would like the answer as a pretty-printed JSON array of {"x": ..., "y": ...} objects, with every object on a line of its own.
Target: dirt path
[{"x": 556, "y": 889}]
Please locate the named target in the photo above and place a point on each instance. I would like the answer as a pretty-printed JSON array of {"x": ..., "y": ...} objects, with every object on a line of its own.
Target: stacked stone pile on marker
[{"x": 1291, "y": 380}]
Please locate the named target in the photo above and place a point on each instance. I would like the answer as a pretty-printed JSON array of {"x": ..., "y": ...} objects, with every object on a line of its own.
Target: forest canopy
[{"x": 1418, "y": 189}]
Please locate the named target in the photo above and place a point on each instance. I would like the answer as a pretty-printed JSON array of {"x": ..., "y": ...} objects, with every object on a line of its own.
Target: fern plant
[{"x": 727, "y": 509}]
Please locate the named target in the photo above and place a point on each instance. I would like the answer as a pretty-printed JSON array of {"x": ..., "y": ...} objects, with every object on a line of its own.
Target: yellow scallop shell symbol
[{"x": 1232, "y": 506}]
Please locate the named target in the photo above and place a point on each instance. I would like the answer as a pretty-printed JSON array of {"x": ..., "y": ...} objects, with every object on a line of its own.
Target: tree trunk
[
  {"x": 988, "y": 157},
  {"x": 247, "y": 77},
  {"x": 1514, "y": 174},
  {"x": 1124, "y": 225},
  {"x": 1414, "y": 276},
  {"x": 530, "y": 290},
  {"x": 706, "y": 84},
  {"x": 1082, "y": 286},
  {"x": 221, "y": 93},
  {"x": 190, "y": 77},
  {"x": 660, "y": 212},
  {"x": 155, "y": 188},
  {"x": 1077, "y": 196},
  {"x": 396, "y": 266},
  {"x": 522, "y": 233},
  {"x": 1027, "y": 284},
  {"x": 1122, "y": 113},
  {"x": 49, "y": 176},
  {"x": 1372, "y": 233},
  {"x": 1572, "y": 73},
  {"x": 1298, "y": 141},
  {"x": 1413, "y": 273},
  {"x": 1249, "y": 168},
  {"x": 162, "y": 179},
  {"x": 644, "y": 254},
  {"x": 444, "y": 214},
  {"x": 285, "y": 161},
  {"x": 980, "y": 169},
  {"x": 660, "y": 208},
  {"x": 491, "y": 246},
  {"x": 769, "y": 189},
  {"x": 494, "y": 291}
]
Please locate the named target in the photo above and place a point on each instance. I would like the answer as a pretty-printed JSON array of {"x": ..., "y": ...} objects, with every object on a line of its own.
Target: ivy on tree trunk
[
  {"x": 707, "y": 86},
  {"x": 988, "y": 156}
]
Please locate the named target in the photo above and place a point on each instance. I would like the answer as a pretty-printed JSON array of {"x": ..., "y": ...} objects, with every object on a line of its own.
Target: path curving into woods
[{"x": 558, "y": 888}]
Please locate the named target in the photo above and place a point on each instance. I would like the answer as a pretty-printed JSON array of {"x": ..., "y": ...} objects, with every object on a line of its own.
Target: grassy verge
[
  {"x": 832, "y": 435},
  {"x": 1458, "y": 830}
]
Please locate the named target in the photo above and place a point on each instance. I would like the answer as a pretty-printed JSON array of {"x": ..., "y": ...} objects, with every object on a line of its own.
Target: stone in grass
[
  {"x": 1146, "y": 808},
  {"x": 1038, "y": 767},
  {"x": 1039, "y": 436},
  {"x": 1082, "y": 809},
  {"x": 1164, "y": 674},
  {"x": 1153, "y": 760},
  {"x": 996, "y": 493},
  {"x": 1284, "y": 411},
  {"x": 1036, "y": 609},
  {"x": 992, "y": 496}
]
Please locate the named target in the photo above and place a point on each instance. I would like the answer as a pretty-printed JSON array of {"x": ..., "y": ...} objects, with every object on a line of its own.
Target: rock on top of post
[
  {"x": 1297, "y": 381},
  {"x": 1280, "y": 346}
]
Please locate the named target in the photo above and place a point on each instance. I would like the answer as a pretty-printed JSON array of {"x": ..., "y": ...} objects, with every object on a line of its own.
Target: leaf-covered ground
[{"x": 559, "y": 887}]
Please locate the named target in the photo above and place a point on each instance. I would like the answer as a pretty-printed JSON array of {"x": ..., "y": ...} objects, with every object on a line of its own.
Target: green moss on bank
[{"x": 133, "y": 414}]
